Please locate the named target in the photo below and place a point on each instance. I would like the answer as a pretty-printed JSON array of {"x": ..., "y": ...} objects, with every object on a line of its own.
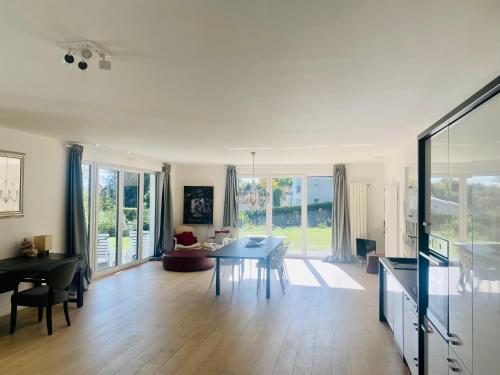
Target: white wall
[
  {"x": 106, "y": 156},
  {"x": 373, "y": 175},
  {"x": 44, "y": 195},
  {"x": 202, "y": 175},
  {"x": 395, "y": 166}
]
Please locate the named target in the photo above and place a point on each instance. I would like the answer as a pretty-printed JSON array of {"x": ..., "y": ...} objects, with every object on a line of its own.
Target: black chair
[{"x": 56, "y": 291}]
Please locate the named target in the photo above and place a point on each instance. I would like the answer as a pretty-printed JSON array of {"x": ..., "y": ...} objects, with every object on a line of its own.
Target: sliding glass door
[
  {"x": 319, "y": 214},
  {"x": 286, "y": 202},
  {"x": 252, "y": 220},
  {"x": 107, "y": 219},
  {"x": 149, "y": 215},
  {"x": 298, "y": 208},
  {"x": 120, "y": 212},
  {"x": 130, "y": 227}
]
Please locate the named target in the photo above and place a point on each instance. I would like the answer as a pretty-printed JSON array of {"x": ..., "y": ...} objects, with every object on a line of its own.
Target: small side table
[{"x": 372, "y": 263}]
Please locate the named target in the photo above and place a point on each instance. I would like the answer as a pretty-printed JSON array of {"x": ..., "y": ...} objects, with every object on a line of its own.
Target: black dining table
[
  {"x": 21, "y": 268},
  {"x": 239, "y": 249}
]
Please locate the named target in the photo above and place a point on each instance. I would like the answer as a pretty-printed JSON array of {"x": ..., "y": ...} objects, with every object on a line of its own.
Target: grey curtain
[
  {"x": 166, "y": 223},
  {"x": 341, "y": 232},
  {"x": 76, "y": 228},
  {"x": 230, "y": 218}
]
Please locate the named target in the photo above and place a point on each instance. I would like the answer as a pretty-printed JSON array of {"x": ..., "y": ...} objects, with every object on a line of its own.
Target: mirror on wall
[{"x": 11, "y": 184}]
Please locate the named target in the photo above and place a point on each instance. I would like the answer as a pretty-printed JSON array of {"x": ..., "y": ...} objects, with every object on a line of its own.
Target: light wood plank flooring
[{"x": 148, "y": 321}]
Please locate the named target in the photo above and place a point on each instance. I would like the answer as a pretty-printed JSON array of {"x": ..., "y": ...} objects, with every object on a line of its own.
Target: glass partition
[
  {"x": 107, "y": 219},
  {"x": 149, "y": 215},
  {"x": 130, "y": 217},
  {"x": 287, "y": 210},
  {"x": 252, "y": 220},
  {"x": 319, "y": 214}
]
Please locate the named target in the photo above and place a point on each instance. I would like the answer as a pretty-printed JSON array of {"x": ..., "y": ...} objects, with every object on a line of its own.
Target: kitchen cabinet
[
  {"x": 459, "y": 238},
  {"x": 410, "y": 342},
  {"x": 460, "y": 281},
  {"x": 455, "y": 365},
  {"x": 399, "y": 307},
  {"x": 435, "y": 351},
  {"x": 398, "y": 317},
  {"x": 389, "y": 302}
]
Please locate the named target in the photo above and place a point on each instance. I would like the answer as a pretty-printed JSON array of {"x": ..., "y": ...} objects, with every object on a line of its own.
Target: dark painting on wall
[{"x": 198, "y": 204}]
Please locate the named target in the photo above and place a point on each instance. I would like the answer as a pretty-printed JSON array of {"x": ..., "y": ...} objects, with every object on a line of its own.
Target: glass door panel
[
  {"x": 252, "y": 220},
  {"x": 287, "y": 210},
  {"x": 107, "y": 219},
  {"x": 86, "y": 182},
  {"x": 319, "y": 215},
  {"x": 149, "y": 215},
  {"x": 130, "y": 217},
  {"x": 439, "y": 205}
]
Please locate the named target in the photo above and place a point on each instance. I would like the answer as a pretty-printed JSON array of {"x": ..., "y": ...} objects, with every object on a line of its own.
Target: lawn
[{"x": 318, "y": 239}]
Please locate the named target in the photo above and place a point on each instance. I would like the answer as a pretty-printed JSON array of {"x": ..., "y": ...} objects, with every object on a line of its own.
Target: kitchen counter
[
  {"x": 407, "y": 278},
  {"x": 398, "y": 305}
]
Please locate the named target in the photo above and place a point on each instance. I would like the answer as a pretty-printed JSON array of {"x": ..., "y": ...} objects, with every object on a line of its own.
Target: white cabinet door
[
  {"x": 390, "y": 300},
  {"x": 398, "y": 317},
  {"x": 435, "y": 351},
  {"x": 410, "y": 335},
  {"x": 486, "y": 237}
]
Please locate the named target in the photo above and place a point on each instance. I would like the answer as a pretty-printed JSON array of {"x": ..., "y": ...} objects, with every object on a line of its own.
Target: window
[
  {"x": 252, "y": 221},
  {"x": 123, "y": 217},
  {"x": 86, "y": 179},
  {"x": 287, "y": 211},
  {"x": 319, "y": 214},
  {"x": 130, "y": 227},
  {"x": 149, "y": 215},
  {"x": 284, "y": 212},
  {"x": 107, "y": 219}
]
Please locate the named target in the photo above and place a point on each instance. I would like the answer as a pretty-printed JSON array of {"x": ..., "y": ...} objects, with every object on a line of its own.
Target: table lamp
[{"x": 43, "y": 243}]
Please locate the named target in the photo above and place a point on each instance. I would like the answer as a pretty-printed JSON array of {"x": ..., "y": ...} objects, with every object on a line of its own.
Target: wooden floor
[{"x": 148, "y": 321}]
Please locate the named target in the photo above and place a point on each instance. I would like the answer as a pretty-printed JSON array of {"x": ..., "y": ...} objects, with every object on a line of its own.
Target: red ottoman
[{"x": 187, "y": 260}]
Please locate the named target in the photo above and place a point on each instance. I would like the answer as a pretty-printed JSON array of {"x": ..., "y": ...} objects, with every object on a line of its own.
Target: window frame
[
  {"x": 303, "y": 251},
  {"x": 93, "y": 222}
]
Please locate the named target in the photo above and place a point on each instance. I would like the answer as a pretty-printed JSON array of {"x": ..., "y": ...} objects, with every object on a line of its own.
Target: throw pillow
[
  {"x": 186, "y": 239},
  {"x": 220, "y": 235}
]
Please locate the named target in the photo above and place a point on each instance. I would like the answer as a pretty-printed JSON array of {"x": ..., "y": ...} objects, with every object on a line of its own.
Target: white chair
[
  {"x": 277, "y": 260},
  {"x": 181, "y": 229},
  {"x": 102, "y": 248}
]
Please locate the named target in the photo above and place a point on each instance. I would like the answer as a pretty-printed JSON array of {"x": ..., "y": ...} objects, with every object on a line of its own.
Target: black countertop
[{"x": 406, "y": 277}]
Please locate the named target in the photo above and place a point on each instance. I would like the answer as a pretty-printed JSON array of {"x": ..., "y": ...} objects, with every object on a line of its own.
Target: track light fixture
[
  {"x": 68, "y": 58},
  {"x": 86, "y": 49},
  {"x": 83, "y": 65}
]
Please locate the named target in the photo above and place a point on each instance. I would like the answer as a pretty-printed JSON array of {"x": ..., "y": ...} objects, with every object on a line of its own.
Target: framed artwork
[
  {"x": 198, "y": 204},
  {"x": 11, "y": 184}
]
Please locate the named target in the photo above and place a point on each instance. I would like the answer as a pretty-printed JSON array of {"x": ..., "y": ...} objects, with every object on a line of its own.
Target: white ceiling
[{"x": 192, "y": 79}]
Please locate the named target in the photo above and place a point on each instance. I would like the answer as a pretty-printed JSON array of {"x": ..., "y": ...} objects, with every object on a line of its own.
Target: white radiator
[{"x": 358, "y": 212}]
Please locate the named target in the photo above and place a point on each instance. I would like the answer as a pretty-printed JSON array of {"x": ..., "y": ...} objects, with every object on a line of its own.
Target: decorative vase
[{"x": 28, "y": 249}]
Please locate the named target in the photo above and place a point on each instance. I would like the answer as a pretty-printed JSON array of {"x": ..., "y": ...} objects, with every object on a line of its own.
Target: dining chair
[
  {"x": 55, "y": 292},
  {"x": 277, "y": 262},
  {"x": 233, "y": 263}
]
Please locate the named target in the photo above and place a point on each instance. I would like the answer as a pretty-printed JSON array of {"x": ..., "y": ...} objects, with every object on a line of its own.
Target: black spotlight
[
  {"x": 82, "y": 65},
  {"x": 68, "y": 58}
]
